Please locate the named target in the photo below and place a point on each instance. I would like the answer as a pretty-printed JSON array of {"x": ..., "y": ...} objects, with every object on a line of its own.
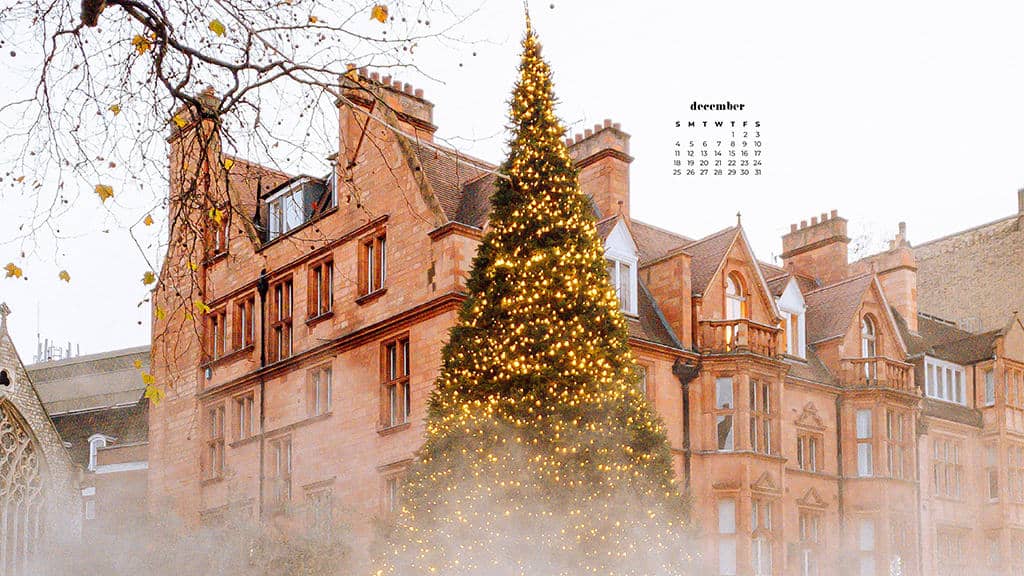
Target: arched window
[
  {"x": 22, "y": 500},
  {"x": 96, "y": 441},
  {"x": 5, "y": 380},
  {"x": 868, "y": 338},
  {"x": 735, "y": 297}
]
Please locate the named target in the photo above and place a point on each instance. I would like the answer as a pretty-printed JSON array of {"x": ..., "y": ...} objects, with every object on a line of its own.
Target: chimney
[
  {"x": 818, "y": 250},
  {"x": 400, "y": 103},
  {"x": 602, "y": 156},
  {"x": 897, "y": 273}
]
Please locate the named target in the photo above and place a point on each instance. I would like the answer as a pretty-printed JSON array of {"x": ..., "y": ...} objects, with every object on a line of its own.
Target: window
[
  {"x": 810, "y": 542},
  {"x": 320, "y": 513},
  {"x": 807, "y": 451},
  {"x": 761, "y": 539},
  {"x": 760, "y": 417},
  {"x": 865, "y": 458},
  {"x": 96, "y": 441},
  {"x": 397, "y": 401},
  {"x": 995, "y": 549},
  {"x": 281, "y": 469},
  {"x": 869, "y": 347},
  {"x": 393, "y": 495},
  {"x": 866, "y": 546},
  {"x": 217, "y": 234},
  {"x": 726, "y": 411},
  {"x": 1013, "y": 380},
  {"x": 217, "y": 334},
  {"x": 244, "y": 323},
  {"x": 898, "y": 450},
  {"x": 318, "y": 398},
  {"x": 990, "y": 388},
  {"x": 945, "y": 381},
  {"x": 623, "y": 278},
  {"x": 950, "y": 547},
  {"x": 281, "y": 302},
  {"x": 641, "y": 378},
  {"x": 727, "y": 537},
  {"x": 791, "y": 336},
  {"x": 245, "y": 421},
  {"x": 296, "y": 203},
  {"x": 321, "y": 288},
  {"x": 735, "y": 299},
  {"x": 1015, "y": 472},
  {"x": 947, "y": 469},
  {"x": 992, "y": 471},
  {"x": 373, "y": 263},
  {"x": 90, "y": 509},
  {"x": 215, "y": 442}
]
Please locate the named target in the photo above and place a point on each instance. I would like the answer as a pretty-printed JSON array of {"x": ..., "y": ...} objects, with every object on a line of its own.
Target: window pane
[
  {"x": 723, "y": 392},
  {"x": 864, "y": 464},
  {"x": 727, "y": 516},
  {"x": 625, "y": 294},
  {"x": 866, "y": 535},
  {"x": 863, "y": 424},
  {"x": 990, "y": 388},
  {"x": 727, "y": 557},
  {"x": 725, "y": 439}
]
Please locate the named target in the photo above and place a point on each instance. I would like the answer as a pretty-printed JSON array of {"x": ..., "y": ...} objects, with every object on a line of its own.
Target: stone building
[
  {"x": 39, "y": 500},
  {"x": 95, "y": 402},
  {"x": 804, "y": 404}
]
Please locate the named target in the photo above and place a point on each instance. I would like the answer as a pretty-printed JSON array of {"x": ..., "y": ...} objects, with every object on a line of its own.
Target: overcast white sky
[{"x": 884, "y": 110}]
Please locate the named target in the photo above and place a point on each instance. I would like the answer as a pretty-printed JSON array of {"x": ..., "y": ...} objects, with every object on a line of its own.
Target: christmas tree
[{"x": 542, "y": 457}]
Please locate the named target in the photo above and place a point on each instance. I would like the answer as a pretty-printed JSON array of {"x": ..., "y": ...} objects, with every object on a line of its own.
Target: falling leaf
[
  {"x": 179, "y": 121},
  {"x": 141, "y": 44},
  {"x": 148, "y": 278},
  {"x": 313, "y": 19},
  {"x": 188, "y": 316},
  {"x": 217, "y": 27},
  {"x": 137, "y": 364},
  {"x": 379, "y": 13},
  {"x": 352, "y": 75},
  {"x": 64, "y": 276},
  {"x": 104, "y": 192},
  {"x": 154, "y": 394},
  {"x": 19, "y": 178},
  {"x": 148, "y": 220},
  {"x": 12, "y": 271},
  {"x": 160, "y": 315},
  {"x": 115, "y": 109},
  {"x": 202, "y": 307},
  {"x": 148, "y": 379},
  {"x": 228, "y": 163},
  {"x": 217, "y": 215}
]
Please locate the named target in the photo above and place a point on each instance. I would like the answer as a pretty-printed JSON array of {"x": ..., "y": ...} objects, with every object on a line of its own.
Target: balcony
[
  {"x": 738, "y": 335},
  {"x": 877, "y": 372}
]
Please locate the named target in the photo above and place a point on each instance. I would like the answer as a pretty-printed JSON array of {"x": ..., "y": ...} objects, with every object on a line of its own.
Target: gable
[
  {"x": 739, "y": 258},
  {"x": 809, "y": 418},
  {"x": 1013, "y": 339},
  {"x": 811, "y": 499},
  {"x": 766, "y": 483},
  {"x": 620, "y": 244},
  {"x": 792, "y": 300},
  {"x": 873, "y": 302}
]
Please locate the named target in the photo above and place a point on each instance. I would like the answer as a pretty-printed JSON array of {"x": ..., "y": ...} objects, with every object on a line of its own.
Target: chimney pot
[
  {"x": 588, "y": 133},
  {"x": 418, "y": 93},
  {"x": 803, "y": 224},
  {"x": 824, "y": 217},
  {"x": 568, "y": 141},
  {"x": 362, "y": 72},
  {"x": 607, "y": 122},
  {"x": 814, "y": 220},
  {"x": 578, "y": 137},
  {"x": 386, "y": 79},
  {"x": 407, "y": 88},
  {"x": 397, "y": 85},
  {"x": 792, "y": 228},
  {"x": 597, "y": 128},
  {"x": 903, "y": 229},
  {"x": 617, "y": 126},
  {"x": 834, "y": 213},
  {"x": 375, "y": 76},
  {"x": 1020, "y": 201}
]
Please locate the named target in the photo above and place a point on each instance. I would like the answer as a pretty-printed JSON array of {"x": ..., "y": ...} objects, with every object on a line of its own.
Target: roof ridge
[
  {"x": 459, "y": 155},
  {"x": 660, "y": 229},
  {"x": 965, "y": 231},
  {"x": 712, "y": 236},
  {"x": 88, "y": 357},
  {"x": 841, "y": 282}
]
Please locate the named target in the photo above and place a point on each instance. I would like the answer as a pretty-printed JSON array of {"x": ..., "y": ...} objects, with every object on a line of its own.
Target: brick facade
[{"x": 792, "y": 397}]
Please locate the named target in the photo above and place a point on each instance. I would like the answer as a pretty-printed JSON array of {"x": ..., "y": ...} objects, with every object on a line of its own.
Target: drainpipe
[
  {"x": 262, "y": 285},
  {"x": 839, "y": 472},
  {"x": 686, "y": 372}
]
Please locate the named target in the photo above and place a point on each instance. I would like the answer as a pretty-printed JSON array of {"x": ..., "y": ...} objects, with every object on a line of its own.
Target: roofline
[
  {"x": 841, "y": 282},
  {"x": 87, "y": 358},
  {"x": 661, "y": 317},
  {"x": 660, "y": 229},
  {"x": 712, "y": 236},
  {"x": 966, "y": 230},
  {"x": 120, "y": 406}
]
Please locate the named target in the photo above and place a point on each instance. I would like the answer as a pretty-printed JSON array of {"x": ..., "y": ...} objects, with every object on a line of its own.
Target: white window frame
[
  {"x": 792, "y": 307},
  {"x": 865, "y": 443},
  {"x": 945, "y": 381},
  {"x": 619, "y": 251},
  {"x": 990, "y": 387}
]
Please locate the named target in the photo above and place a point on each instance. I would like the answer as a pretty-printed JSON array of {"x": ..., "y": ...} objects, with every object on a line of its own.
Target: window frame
[
  {"x": 281, "y": 450},
  {"x": 727, "y": 536},
  {"x": 945, "y": 381},
  {"x": 281, "y": 321},
  {"x": 760, "y": 415},
  {"x": 373, "y": 262},
  {"x": 215, "y": 425},
  {"x": 243, "y": 333},
  {"x": 320, "y": 288},
  {"x": 318, "y": 394},
  {"x": 217, "y": 335},
  {"x": 736, "y": 296},
  {"x": 725, "y": 413},
  {"x": 865, "y": 443},
  {"x": 396, "y": 388},
  {"x": 244, "y": 412}
]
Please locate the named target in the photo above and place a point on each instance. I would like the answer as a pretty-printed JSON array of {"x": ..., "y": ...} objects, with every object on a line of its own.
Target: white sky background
[{"x": 886, "y": 111}]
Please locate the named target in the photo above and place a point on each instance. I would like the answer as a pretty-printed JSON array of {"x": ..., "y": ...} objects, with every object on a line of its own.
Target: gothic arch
[{"x": 22, "y": 501}]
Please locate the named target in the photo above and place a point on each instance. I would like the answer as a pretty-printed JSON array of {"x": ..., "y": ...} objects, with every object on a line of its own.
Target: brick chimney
[
  {"x": 897, "y": 273},
  {"x": 818, "y": 249},
  {"x": 602, "y": 157},
  {"x": 386, "y": 98}
]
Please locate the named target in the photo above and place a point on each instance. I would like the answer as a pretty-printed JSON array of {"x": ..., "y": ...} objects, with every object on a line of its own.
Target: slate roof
[
  {"x": 126, "y": 424},
  {"x": 969, "y": 350},
  {"x": 707, "y": 255},
  {"x": 91, "y": 381},
  {"x": 655, "y": 243},
  {"x": 778, "y": 284},
  {"x": 952, "y": 412},
  {"x": 462, "y": 184},
  {"x": 830, "y": 309},
  {"x": 945, "y": 341},
  {"x": 605, "y": 227},
  {"x": 811, "y": 370}
]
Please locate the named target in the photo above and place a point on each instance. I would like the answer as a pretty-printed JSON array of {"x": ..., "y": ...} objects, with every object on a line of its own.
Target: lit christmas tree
[{"x": 542, "y": 457}]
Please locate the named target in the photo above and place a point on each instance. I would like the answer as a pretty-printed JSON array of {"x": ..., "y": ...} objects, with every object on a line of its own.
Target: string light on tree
[{"x": 541, "y": 456}]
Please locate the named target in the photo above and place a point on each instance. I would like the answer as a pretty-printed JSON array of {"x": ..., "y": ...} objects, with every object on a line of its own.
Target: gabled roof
[
  {"x": 708, "y": 254},
  {"x": 778, "y": 285},
  {"x": 462, "y": 184},
  {"x": 605, "y": 227},
  {"x": 92, "y": 381},
  {"x": 125, "y": 424},
  {"x": 812, "y": 370},
  {"x": 945, "y": 341},
  {"x": 831, "y": 309},
  {"x": 655, "y": 243}
]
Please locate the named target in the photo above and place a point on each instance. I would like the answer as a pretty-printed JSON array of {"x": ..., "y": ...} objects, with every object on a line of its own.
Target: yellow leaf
[
  {"x": 137, "y": 364},
  {"x": 12, "y": 271},
  {"x": 228, "y": 163},
  {"x": 188, "y": 316},
  {"x": 160, "y": 315},
  {"x": 313, "y": 19},
  {"x": 202, "y": 307},
  {"x": 379, "y": 13},
  {"x": 216, "y": 215},
  {"x": 141, "y": 44},
  {"x": 154, "y": 394},
  {"x": 148, "y": 221},
  {"x": 179, "y": 121},
  {"x": 148, "y": 379},
  {"x": 104, "y": 192},
  {"x": 217, "y": 27},
  {"x": 148, "y": 278},
  {"x": 64, "y": 276},
  {"x": 115, "y": 109},
  {"x": 193, "y": 266},
  {"x": 352, "y": 75}
]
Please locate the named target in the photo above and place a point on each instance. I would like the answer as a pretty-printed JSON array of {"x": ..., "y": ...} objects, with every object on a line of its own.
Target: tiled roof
[
  {"x": 974, "y": 348},
  {"x": 458, "y": 182},
  {"x": 126, "y": 424},
  {"x": 650, "y": 324},
  {"x": 952, "y": 412},
  {"x": 812, "y": 370},
  {"x": 945, "y": 341},
  {"x": 654, "y": 242},
  {"x": 92, "y": 381},
  {"x": 830, "y": 309},
  {"x": 707, "y": 255},
  {"x": 778, "y": 284},
  {"x": 475, "y": 205}
]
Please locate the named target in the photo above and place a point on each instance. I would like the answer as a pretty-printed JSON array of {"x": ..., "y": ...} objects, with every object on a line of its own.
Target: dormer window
[
  {"x": 945, "y": 381},
  {"x": 623, "y": 277},
  {"x": 735, "y": 297},
  {"x": 296, "y": 203}
]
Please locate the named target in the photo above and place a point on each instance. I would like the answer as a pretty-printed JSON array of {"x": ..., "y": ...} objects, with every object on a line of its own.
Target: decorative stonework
[{"x": 22, "y": 500}]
